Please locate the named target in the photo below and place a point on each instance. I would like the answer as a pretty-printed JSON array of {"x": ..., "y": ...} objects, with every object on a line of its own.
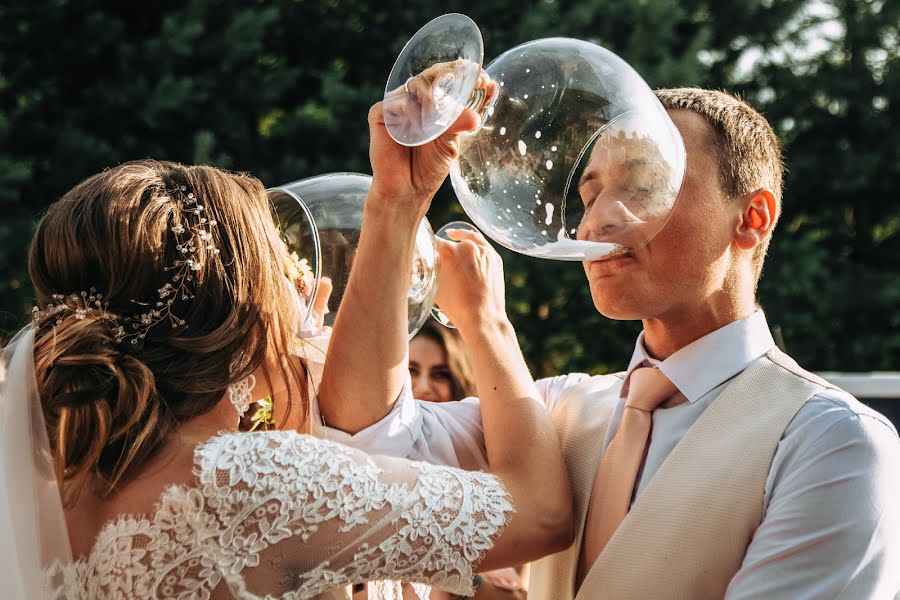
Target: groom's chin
[{"x": 619, "y": 305}]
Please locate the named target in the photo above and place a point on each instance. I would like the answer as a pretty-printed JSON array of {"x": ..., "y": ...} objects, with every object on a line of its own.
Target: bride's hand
[
  {"x": 471, "y": 289},
  {"x": 405, "y": 177}
]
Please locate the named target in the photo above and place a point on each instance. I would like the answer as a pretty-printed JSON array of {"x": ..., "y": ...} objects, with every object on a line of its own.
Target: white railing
[{"x": 867, "y": 385}]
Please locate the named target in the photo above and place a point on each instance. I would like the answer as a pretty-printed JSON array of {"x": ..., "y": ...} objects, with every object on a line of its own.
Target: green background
[{"x": 281, "y": 89}]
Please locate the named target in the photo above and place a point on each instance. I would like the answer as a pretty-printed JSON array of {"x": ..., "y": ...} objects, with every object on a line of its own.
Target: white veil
[{"x": 33, "y": 532}]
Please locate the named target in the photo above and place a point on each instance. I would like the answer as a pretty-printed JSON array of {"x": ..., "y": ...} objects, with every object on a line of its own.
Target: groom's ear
[{"x": 758, "y": 213}]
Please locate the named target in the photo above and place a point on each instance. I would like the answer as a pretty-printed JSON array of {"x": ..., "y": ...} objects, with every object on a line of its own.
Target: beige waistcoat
[{"x": 687, "y": 533}]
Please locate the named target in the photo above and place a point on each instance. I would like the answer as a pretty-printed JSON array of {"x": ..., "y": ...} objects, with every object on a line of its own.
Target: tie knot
[{"x": 648, "y": 387}]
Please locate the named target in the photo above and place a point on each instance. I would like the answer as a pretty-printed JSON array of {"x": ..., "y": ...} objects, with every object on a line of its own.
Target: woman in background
[{"x": 439, "y": 366}]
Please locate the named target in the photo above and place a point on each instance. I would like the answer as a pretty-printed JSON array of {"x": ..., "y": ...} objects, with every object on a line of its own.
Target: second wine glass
[{"x": 322, "y": 216}]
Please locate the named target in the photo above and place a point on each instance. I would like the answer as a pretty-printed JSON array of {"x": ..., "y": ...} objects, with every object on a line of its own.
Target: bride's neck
[
  {"x": 173, "y": 462},
  {"x": 223, "y": 417},
  {"x": 269, "y": 381},
  {"x": 287, "y": 399}
]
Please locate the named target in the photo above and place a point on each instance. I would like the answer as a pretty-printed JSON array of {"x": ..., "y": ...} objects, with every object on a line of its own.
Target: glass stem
[{"x": 476, "y": 100}]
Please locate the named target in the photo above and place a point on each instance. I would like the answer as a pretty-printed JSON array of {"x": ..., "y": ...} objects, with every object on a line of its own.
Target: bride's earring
[{"x": 240, "y": 393}]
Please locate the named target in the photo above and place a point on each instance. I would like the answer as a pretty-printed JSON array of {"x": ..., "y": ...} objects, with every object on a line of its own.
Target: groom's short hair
[{"x": 743, "y": 143}]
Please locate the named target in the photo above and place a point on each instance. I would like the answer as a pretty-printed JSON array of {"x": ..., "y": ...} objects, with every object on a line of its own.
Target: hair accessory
[
  {"x": 79, "y": 305},
  {"x": 193, "y": 232}
]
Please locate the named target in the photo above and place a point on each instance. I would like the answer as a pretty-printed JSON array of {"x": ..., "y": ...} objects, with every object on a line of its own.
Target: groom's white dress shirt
[{"x": 832, "y": 497}]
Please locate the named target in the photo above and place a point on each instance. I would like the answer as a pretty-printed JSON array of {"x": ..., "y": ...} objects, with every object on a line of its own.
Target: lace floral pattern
[
  {"x": 240, "y": 393},
  {"x": 283, "y": 515}
]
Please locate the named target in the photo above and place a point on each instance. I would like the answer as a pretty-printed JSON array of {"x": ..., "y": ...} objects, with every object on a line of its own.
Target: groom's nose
[{"x": 609, "y": 220}]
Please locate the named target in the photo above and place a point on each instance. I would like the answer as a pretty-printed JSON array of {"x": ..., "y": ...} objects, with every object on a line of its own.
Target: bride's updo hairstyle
[{"x": 112, "y": 388}]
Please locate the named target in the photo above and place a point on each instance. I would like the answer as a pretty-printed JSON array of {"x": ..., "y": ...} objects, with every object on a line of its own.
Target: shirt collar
[{"x": 713, "y": 359}]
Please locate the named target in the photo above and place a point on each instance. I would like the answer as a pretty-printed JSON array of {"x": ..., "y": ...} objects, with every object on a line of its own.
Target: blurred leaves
[{"x": 281, "y": 89}]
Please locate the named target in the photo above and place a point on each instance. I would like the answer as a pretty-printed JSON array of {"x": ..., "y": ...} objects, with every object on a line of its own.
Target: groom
[{"x": 713, "y": 466}]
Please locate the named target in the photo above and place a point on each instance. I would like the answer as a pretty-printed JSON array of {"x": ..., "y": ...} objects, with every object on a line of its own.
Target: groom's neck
[{"x": 689, "y": 321}]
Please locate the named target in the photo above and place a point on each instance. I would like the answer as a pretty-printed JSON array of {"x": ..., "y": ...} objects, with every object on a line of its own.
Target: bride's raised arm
[{"x": 366, "y": 364}]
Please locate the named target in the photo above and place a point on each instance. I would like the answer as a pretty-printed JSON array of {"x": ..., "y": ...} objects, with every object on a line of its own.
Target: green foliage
[
  {"x": 281, "y": 89},
  {"x": 833, "y": 278}
]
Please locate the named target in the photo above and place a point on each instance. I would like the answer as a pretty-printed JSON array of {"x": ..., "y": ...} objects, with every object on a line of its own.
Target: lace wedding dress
[{"x": 279, "y": 514}]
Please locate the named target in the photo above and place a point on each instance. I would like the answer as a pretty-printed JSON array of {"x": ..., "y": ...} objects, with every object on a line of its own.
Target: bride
[{"x": 163, "y": 312}]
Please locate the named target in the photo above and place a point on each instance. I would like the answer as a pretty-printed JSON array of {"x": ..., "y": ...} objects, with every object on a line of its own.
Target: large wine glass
[
  {"x": 333, "y": 204},
  {"x": 575, "y": 160}
]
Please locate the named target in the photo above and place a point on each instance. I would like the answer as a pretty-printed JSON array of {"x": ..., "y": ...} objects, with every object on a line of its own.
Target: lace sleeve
[{"x": 303, "y": 516}]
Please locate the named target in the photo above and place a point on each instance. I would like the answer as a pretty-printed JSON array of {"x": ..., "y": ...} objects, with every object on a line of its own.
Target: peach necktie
[{"x": 648, "y": 387}]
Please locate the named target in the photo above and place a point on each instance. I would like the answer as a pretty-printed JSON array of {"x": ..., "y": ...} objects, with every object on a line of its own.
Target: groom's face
[{"x": 689, "y": 259}]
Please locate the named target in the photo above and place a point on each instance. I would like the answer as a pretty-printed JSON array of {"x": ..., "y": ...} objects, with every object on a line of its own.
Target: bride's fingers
[
  {"x": 459, "y": 235},
  {"x": 421, "y": 93},
  {"x": 443, "y": 245},
  {"x": 419, "y": 87},
  {"x": 490, "y": 86},
  {"x": 447, "y": 145},
  {"x": 459, "y": 253},
  {"x": 376, "y": 114}
]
